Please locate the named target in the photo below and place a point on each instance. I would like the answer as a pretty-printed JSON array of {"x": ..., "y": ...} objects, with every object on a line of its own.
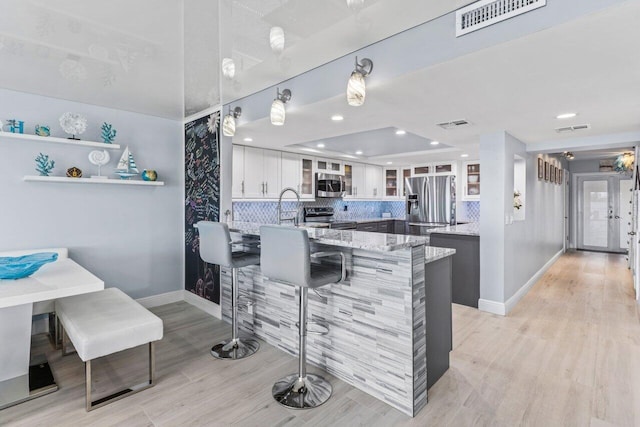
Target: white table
[{"x": 59, "y": 279}]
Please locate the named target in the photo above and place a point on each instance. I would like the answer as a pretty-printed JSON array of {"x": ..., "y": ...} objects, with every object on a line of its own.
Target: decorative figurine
[
  {"x": 108, "y": 133},
  {"x": 149, "y": 175},
  {"x": 43, "y": 130},
  {"x": 126, "y": 165},
  {"x": 73, "y": 124},
  {"x": 15, "y": 126},
  {"x": 74, "y": 172},
  {"x": 99, "y": 158},
  {"x": 43, "y": 165}
]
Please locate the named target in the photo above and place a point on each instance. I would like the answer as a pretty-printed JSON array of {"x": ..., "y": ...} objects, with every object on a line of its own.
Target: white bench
[{"x": 106, "y": 322}]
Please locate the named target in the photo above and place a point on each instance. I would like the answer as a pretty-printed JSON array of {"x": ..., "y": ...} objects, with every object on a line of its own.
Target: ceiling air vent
[
  {"x": 572, "y": 128},
  {"x": 488, "y": 12},
  {"x": 454, "y": 124}
]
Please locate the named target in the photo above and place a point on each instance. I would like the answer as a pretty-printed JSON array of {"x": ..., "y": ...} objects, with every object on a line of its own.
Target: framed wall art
[
  {"x": 546, "y": 171},
  {"x": 540, "y": 168}
]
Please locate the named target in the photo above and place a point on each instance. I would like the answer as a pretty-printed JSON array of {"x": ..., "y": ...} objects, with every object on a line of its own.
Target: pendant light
[
  {"x": 278, "y": 113},
  {"x": 355, "y": 4},
  {"x": 229, "y": 122},
  {"x": 356, "y": 88},
  {"x": 276, "y": 39},
  {"x": 228, "y": 68}
]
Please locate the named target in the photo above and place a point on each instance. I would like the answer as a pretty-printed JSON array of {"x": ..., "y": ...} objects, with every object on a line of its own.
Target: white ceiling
[
  {"x": 586, "y": 66},
  {"x": 120, "y": 54},
  {"x": 376, "y": 143},
  {"x": 162, "y": 57}
]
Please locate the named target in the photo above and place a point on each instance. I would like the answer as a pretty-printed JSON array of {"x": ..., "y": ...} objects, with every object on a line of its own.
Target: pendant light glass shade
[
  {"x": 278, "y": 113},
  {"x": 276, "y": 39},
  {"x": 229, "y": 125},
  {"x": 228, "y": 68},
  {"x": 356, "y": 89}
]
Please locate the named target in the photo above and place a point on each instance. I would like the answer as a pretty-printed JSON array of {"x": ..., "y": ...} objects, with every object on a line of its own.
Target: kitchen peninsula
[{"x": 389, "y": 322}]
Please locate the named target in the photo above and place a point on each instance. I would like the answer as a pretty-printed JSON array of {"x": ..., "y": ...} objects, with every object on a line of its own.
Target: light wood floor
[{"x": 568, "y": 354}]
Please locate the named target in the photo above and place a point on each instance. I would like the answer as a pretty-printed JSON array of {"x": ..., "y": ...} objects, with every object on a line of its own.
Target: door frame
[{"x": 577, "y": 198}]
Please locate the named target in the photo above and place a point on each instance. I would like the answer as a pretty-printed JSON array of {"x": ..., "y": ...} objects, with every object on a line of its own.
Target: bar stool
[
  {"x": 285, "y": 257},
  {"x": 216, "y": 248}
]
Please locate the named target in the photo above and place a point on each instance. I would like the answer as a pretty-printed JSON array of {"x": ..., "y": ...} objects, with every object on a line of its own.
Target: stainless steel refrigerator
[{"x": 430, "y": 202}]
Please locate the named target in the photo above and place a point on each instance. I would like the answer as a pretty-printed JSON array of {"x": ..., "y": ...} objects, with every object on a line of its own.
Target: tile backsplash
[
  {"x": 469, "y": 211},
  {"x": 265, "y": 212}
]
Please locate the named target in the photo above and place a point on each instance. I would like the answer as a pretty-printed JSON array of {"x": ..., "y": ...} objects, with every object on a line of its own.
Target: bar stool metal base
[
  {"x": 294, "y": 392},
  {"x": 235, "y": 349}
]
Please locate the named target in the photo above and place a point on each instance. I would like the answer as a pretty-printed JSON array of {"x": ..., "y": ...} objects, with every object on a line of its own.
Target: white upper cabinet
[
  {"x": 297, "y": 173},
  {"x": 373, "y": 184},
  {"x": 329, "y": 166},
  {"x": 354, "y": 174},
  {"x": 262, "y": 169},
  {"x": 470, "y": 181},
  {"x": 237, "y": 186},
  {"x": 392, "y": 183}
]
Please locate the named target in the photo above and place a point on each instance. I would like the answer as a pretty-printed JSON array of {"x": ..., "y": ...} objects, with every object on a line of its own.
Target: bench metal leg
[{"x": 91, "y": 405}]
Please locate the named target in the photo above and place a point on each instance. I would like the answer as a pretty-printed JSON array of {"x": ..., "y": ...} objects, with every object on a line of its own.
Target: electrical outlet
[{"x": 344, "y": 208}]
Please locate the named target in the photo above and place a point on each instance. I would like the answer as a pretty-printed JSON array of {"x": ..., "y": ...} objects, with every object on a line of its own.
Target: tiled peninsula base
[{"x": 377, "y": 331}]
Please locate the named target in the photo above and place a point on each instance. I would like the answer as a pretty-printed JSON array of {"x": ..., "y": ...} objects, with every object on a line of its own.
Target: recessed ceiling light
[
  {"x": 566, "y": 116},
  {"x": 435, "y": 142},
  {"x": 401, "y": 132},
  {"x": 358, "y": 152},
  {"x": 248, "y": 139},
  {"x": 337, "y": 118},
  {"x": 389, "y": 163},
  {"x": 321, "y": 145},
  {"x": 464, "y": 155}
]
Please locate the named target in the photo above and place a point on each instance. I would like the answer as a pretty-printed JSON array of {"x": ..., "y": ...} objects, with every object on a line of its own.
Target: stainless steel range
[{"x": 323, "y": 217}]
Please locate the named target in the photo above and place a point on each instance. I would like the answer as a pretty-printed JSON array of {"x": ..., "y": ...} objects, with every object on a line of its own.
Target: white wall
[
  {"x": 131, "y": 237},
  {"x": 512, "y": 255}
]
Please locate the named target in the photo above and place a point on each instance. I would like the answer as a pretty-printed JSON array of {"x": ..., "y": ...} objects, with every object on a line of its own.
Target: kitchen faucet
[{"x": 280, "y": 211}]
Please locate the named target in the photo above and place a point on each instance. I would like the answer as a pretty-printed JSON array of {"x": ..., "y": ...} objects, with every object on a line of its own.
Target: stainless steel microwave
[{"x": 329, "y": 185}]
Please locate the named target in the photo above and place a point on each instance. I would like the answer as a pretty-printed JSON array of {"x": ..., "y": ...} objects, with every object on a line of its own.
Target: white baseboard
[
  {"x": 203, "y": 304},
  {"x": 511, "y": 302},
  {"x": 161, "y": 299},
  {"x": 503, "y": 309},
  {"x": 490, "y": 306}
]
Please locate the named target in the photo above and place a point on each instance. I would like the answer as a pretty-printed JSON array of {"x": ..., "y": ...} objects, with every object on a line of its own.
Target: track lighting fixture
[
  {"x": 229, "y": 122},
  {"x": 278, "y": 113},
  {"x": 356, "y": 88}
]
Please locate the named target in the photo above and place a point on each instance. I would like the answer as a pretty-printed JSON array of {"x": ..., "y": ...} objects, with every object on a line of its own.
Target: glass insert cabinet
[{"x": 471, "y": 181}]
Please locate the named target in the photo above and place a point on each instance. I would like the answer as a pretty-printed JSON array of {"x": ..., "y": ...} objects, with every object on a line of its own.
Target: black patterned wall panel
[{"x": 202, "y": 201}]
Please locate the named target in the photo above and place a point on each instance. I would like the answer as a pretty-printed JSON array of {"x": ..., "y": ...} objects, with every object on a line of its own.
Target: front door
[{"x": 604, "y": 213}]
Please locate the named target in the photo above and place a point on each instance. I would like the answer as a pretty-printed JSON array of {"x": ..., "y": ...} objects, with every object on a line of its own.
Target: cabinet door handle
[
  {"x": 263, "y": 188},
  {"x": 242, "y": 187},
  {"x": 266, "y": 187}
]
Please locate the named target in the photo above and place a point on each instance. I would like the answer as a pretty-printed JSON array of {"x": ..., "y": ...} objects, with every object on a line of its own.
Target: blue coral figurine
[
  {"x": 108, "y": 133},
  {"x": 43, "y": 165}
]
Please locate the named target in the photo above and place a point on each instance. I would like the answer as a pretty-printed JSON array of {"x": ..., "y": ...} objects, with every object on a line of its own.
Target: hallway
[{"x": 568, "y": 355}]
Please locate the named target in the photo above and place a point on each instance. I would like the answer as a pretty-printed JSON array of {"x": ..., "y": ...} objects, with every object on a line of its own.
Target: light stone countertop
[
  {"x": 350, "y": 238},
  {"x": 470, "y": 229},
  {"x": 433, "y": 253}
]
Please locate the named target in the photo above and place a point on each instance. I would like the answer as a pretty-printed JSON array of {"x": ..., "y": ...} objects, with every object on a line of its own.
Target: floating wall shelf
[
  {"x": 56, "y": 140},
  {"x": 65, "y": 180}
]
